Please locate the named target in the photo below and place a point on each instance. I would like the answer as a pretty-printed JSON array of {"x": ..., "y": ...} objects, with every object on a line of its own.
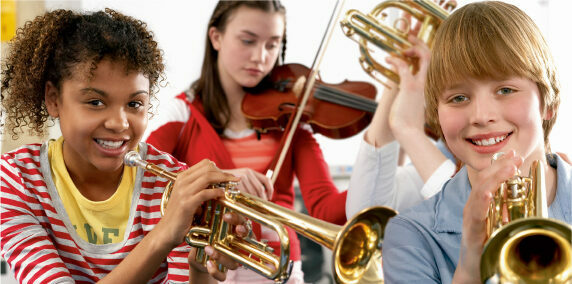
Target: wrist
[
  {"x": 407, "y": 132},
  {"x": 162, "y": 237},
  {"x": 461, "y": 276},
  {"x": 378, "y": 139},
  {"x": 468, "y": 267}
]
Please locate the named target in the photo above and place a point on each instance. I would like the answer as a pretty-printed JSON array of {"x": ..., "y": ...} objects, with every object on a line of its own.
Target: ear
[
  {"x": 548, "y": 113},
  {"x": 215, "y": 37},
  {"x": 51, "y": 96}
]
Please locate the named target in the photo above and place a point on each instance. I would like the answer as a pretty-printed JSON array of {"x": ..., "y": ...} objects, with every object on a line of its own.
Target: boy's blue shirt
[{"x": 422, "y": 243}]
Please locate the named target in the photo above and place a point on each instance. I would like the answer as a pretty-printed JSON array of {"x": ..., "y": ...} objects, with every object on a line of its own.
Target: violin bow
[{"x": 294, "y": 120}]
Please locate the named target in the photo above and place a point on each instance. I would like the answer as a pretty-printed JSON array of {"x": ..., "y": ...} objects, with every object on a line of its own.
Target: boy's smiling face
[
  {"x": 102, "y": 117},
  {"x": 480, "y": 117}
]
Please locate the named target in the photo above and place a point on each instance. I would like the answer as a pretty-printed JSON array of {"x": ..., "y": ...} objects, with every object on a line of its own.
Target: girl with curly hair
[{"x": 71, "y": 210}]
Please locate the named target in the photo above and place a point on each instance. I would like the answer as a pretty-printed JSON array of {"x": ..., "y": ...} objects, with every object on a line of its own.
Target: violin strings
[
  {"x": 339, "y": 97},
  {"x": 344, "y": 100}
]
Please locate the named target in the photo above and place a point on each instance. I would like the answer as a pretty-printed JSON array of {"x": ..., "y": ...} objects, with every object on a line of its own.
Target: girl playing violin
[
  {"x": 71, "y": 211},
  {"x": 243, "y": 44}
]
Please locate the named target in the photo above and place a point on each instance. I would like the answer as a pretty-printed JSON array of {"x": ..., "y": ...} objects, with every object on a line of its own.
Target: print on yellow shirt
[{"x": 92, "y": 236}]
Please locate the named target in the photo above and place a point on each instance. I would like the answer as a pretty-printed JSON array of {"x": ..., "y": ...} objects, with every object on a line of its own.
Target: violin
[{"x": 334, "y": 110}]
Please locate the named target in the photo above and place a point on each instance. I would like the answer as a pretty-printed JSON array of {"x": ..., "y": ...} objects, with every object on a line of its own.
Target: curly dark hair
[{"x": 52, "y": 47}]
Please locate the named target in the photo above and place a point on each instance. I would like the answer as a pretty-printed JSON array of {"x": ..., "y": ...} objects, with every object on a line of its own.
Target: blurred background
[{"x": 180, "y": 29}]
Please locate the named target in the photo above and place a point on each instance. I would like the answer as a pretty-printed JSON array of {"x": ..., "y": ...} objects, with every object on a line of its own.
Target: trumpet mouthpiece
[{"x": 131, "y": 158}]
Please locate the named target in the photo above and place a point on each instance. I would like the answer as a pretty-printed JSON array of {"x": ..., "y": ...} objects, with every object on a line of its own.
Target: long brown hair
[{"x": 208, "y": 87}]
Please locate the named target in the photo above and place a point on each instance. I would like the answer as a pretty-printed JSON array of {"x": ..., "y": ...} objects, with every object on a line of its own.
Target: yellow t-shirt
[{"x": 97, "y": 222}]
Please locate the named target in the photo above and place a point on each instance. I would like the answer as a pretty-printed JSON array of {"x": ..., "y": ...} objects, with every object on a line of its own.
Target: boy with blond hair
[{"x": 491, "y": 87}]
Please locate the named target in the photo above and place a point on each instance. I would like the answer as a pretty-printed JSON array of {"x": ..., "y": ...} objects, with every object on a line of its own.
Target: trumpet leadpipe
[{"x": 133, "y": 159}]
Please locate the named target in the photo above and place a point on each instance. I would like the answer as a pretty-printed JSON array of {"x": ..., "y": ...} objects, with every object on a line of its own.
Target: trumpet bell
[
  {"x": 357, "y": 248},
  {"x": 530, "y": 250}
]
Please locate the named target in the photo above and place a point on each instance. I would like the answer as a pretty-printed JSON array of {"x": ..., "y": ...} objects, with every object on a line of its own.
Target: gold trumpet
[
  {"x": 364, "y": 28},
  {"x": 356, "y": 246},
  {"x": 530, "y": 247}
]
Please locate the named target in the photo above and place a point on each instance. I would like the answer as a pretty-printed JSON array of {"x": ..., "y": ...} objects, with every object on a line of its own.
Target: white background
[{"x": 180, "y": 28}]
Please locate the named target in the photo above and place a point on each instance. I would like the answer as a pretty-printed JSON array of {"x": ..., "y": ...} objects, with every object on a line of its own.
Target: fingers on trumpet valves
[
  {"x": 490, "y": 179},
  {"x": 243, "y": 225},
  {"x": 507, "y": 163},
  {"x": 195, "y": 262},
  {"x": 216, "y": 264},
  {"x": 245, "y": 231},
  {"x": 214, "y": 271},
  {"x": 206, "y": 172},
  {"x": 216, "y": 258}
]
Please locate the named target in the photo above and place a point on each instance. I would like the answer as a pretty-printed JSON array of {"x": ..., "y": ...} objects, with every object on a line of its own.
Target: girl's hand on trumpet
[
  {"x": 198, "y": 273},
  {"x": 475, "y": 213},
  {"x": 189, "y": 191}
]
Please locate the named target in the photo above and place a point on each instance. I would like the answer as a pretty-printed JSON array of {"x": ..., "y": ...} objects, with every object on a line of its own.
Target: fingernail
[
  {"x": 489, "y": 196},
  {"x": 497, "y": 156},
  {"x": 516, "y": 158},
  {"x": 210, "y": 264},
  {"x": 209, "y": 250}
]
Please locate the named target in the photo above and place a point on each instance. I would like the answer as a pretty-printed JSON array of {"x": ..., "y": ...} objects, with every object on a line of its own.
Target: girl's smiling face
[
  {"x": 480, "y": 117},
  {"x": 101, "y": 117}
]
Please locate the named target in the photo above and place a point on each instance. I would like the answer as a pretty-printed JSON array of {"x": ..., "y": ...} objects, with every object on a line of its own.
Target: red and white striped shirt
[{"x": 38, "y": 240}]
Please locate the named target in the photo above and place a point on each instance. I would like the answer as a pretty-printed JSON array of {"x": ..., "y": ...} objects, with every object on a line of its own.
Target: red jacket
[{"x": 190, "y": 138}]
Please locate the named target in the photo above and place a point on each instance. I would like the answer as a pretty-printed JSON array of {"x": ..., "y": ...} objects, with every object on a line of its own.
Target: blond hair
[{"x": 491, "y": 40}]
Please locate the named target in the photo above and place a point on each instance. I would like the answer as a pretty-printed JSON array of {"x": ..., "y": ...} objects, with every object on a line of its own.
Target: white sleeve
[
  {"x": 377, "y": 180},
  {"x": 438, "y": 178}
]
